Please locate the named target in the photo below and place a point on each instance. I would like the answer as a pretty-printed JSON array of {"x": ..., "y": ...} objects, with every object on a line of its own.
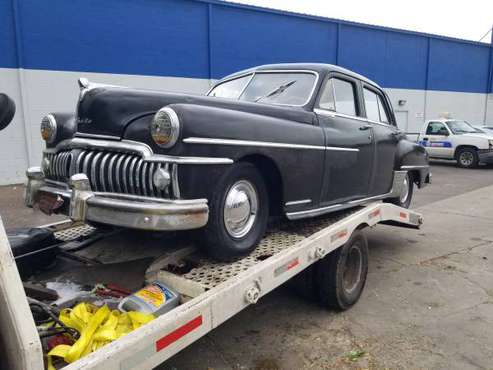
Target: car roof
[{"x": 320, "y": 68}]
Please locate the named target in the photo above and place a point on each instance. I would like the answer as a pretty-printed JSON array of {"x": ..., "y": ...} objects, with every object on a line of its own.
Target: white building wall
[{"x": 52, "y": 91}]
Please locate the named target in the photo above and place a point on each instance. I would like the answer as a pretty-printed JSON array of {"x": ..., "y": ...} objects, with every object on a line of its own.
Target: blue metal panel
[
  {"x": 390, "y": 59},
  {"x": 458, "y": 67},
  {"x": 8, "y": 51},
  {"x": 149, "y": 37},
  {"x": 242, "y": 38},
  {"x": 210, "y": 38}
]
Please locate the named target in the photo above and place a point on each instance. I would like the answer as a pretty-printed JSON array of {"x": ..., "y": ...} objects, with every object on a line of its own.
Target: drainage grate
[{"x": 73, "y": 233}]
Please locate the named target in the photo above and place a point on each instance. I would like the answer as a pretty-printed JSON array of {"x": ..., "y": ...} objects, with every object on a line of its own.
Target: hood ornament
[{"x": 83, "y": 83}]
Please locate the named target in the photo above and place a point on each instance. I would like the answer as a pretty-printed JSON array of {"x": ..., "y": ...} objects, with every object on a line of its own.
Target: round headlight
[
  {"x": 48, "y": 128},
  {"x": 165, "y": 127}
]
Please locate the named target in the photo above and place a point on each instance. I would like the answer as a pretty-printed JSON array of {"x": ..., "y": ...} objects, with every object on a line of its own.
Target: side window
[
  {"x": 383, "y": 112},
  {"x": 436, "y": 128},
  {"x": 371, "y": 105},
  {"x": 344, "y": 96},
  {"x": 327, "y": 100},
  {"x": 375, "y": 107}
]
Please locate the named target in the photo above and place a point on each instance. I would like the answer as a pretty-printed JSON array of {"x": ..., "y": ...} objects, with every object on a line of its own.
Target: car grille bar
[{"x": 107, "y": 171}]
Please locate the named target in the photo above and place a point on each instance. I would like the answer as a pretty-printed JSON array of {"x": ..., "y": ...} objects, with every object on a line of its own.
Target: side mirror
[
  {"x": 443, "y": 132},
  {"x": 7, "y": 110}
]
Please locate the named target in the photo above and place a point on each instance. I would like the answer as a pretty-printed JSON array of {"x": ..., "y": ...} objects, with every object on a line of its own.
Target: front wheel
[{"x": 238, "y": 213}]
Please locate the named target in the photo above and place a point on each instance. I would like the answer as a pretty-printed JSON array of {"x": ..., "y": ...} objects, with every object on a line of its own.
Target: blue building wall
[{"x": 209, "y": 39}]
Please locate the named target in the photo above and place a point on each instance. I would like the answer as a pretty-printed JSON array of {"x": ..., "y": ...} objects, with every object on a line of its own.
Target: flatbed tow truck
[{"x": 211, "y": 292}]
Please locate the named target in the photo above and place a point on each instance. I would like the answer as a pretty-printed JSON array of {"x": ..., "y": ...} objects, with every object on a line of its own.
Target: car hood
[
  {"x": 478, "y": 135},
  {"x": 108, "y": 110}
]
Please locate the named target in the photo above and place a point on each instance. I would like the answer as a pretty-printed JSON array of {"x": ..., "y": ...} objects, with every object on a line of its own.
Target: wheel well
[
  {"x": 273, "y": 180},
  {"x": 463, "y": 147},
  {"x": 415, "y": 176}
]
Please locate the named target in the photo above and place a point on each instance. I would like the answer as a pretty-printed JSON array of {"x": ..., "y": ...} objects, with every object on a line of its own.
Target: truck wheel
[
  {"x": 467, "y": 158},
  {"x": 341, "y": 275},
  {"x": 404, "y": 200},
  {"x": 238, "y": 213}
]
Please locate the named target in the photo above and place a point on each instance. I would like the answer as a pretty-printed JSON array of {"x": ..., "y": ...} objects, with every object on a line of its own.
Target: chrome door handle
[{"x": 365, "y": 127}]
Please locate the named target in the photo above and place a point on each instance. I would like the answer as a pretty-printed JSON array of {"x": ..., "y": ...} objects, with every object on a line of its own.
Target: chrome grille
[{"x": 107, "y": 171}]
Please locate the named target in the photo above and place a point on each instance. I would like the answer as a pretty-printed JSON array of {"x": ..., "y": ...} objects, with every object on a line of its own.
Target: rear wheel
[
  {"x": 341, "y": 276},
  {"x": 467, "y": 158},
  {"x": 405, "y": 198},
  {"x": 238, "y": 213}
]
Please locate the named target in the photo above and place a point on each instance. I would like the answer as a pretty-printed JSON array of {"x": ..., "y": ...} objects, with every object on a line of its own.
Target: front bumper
[
  {"x": 486, "y": 157},
  {"x": 80, "y": 203}
]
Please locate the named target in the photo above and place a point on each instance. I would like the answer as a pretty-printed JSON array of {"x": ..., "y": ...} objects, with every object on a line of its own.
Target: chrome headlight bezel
[
  {"x": 48, "y": 128},
  {"x": 165, "y": 128}
]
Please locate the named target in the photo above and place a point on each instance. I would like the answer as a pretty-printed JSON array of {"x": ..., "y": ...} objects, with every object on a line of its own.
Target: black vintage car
[{"x": 289, "y": 140}]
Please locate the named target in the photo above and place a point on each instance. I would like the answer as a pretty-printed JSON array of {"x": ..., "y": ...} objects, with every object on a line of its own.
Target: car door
[
  {"x": 348, "y": 140},
  {"x": 385, "y": 136},
  {"x": 436, "y": 140}
]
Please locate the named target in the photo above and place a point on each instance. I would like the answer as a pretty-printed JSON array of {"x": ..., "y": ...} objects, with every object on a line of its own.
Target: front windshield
[
  {"x": 288, "y": 88},
  {"x": 461, "y": 127}
]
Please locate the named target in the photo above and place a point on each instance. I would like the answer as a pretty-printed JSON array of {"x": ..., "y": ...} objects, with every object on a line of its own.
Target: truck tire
[
  {"x": 238, "y": 213},
  {"x": 341, "y": 276},
  {"x": 467, "y": 158},
  {"x": 404, "y": 200}
]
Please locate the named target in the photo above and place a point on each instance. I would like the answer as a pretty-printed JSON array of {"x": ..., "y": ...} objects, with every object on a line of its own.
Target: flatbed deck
[{"x": 211, "y": 291}]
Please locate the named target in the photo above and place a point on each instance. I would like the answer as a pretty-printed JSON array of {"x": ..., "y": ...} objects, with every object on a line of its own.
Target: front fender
[{"x": 256, "y": 133}]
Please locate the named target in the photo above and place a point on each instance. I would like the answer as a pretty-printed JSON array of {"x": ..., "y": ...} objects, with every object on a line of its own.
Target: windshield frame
[
  {"x": 269, "y": 71},
  {"x": 476, "y": 131}
]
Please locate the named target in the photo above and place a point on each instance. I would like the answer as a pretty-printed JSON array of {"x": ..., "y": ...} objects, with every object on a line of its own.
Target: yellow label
[{"x": 152, "y": 295}]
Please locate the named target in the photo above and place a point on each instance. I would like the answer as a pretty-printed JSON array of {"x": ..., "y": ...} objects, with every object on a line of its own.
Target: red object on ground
[{"x": 57, "y": 340}]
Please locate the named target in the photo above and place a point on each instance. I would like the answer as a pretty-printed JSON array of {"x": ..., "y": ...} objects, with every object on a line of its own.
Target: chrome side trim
[
  {"x": 253, "y": 73},
  {"x": 296, "y": 202},
  {"x": 333, "y": 114},
  {"x": 264, "y": 144},
  {"x": 129, "y": 146},
  {"x": 394, "y": 192},
  {"x": 414, "y": 167}
]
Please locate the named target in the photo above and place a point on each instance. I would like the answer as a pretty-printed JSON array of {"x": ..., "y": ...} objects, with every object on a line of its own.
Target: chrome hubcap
[
  {"x": 466, "y": 158},
  {"x": 353, "y": 269},
  {"x": 240, "y": 208},
  {"x": 405, "y": 189}
]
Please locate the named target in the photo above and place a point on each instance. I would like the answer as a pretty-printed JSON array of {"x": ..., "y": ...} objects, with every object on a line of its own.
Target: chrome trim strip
[
  {"x": 413, "y": 167},
  {"x": 265, "y": 144},
  {"x": 296, "y": 202},
  {"x": 174, "y": 181},
  {"x": 333, "y": 114},
  {"x": 395, "y": 191},
  {"x": 130, "y": 146},
  {"x": 96, "y": 136},
  {"x": 253, "y": 73}
]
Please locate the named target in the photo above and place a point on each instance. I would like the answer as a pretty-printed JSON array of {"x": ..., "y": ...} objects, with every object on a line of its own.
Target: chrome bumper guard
[{"x": 125, "y": 210}]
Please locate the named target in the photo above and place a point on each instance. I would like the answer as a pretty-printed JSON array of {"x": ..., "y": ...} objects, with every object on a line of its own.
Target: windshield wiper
[{"x": 276, "y": 91}]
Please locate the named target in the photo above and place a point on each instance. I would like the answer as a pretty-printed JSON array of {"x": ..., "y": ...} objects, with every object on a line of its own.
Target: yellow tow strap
[{"x": 97, "y": 327}]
